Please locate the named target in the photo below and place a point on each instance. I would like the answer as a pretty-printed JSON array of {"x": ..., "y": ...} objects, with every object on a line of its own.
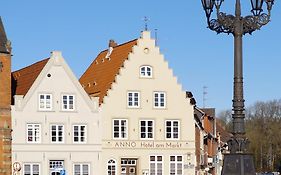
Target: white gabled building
[
  {"x": 55, "y": 123},
  {"x": 147, "y": 118}
]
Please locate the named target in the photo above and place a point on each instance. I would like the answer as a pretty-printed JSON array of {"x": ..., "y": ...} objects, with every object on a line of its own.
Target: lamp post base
[{"x": 238, "y": 164}]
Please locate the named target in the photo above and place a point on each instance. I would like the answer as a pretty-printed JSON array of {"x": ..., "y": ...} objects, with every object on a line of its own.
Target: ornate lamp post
[{"x": 238, "y": 161}]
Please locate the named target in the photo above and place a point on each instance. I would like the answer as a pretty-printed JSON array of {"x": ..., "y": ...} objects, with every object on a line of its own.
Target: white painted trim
[
  {"x": 153, "y": 129},
  {"x": 172, "y": 127},
  {"x": 165, "y": 99},
  {"x": 127, "y": 129},
  {"x": 133, "y": 101}
]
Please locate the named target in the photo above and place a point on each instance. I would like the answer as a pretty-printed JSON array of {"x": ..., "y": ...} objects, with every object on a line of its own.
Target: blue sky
[{"x": 198, "y": 56}]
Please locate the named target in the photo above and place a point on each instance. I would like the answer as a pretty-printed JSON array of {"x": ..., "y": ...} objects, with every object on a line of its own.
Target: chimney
[{"x": 112, "y": 43}]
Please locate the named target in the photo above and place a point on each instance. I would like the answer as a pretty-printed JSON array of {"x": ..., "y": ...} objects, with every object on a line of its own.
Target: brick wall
[{"x": 5, "y": 115}]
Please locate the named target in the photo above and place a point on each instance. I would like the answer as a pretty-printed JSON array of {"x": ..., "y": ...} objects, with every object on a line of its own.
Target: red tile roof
[
  {"x": 23, "y": 79},
  {"x": 99, "y": 76}
]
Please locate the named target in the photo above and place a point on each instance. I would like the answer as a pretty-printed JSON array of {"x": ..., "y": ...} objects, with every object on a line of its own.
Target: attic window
[
  {"x": 89, "y": 84},
  {"x": 97, "y": 62},
  {"x": 49, "y": 75},
  {"x": 102, "y": 60},
  {"x": 95, "y": 83},
  {"x": 146, "y": 71}
]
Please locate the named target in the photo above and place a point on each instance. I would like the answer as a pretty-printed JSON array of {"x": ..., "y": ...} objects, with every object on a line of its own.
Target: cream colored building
[
  {"x": 55, "y": 124},
  {"x": 147, "y": 119}
]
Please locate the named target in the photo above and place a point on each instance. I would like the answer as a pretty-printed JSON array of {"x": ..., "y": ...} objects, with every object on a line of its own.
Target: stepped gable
[
  {"x": 23, "y": 79},
  {"x": 99, "y": 76}
]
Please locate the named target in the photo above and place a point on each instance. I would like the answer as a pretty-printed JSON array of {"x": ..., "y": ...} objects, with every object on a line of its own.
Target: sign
[
  {"x": 147, "y": 144},
  {"x": 16, "y": 166},
  {"x": 62, "y": 172}
]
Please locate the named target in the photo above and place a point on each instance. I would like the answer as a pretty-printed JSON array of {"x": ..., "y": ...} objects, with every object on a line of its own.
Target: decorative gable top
[
  {"x": 23, "y": 79},
  {"x": 99, "y": 76},
  {"x": 3, "y": 39}
]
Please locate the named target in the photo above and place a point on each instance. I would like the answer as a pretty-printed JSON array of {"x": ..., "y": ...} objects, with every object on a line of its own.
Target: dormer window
[{"x": 146, "y": 71}]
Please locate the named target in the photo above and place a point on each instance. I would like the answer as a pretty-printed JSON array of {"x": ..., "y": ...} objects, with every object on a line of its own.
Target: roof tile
[{"x": 99, "y": 76}]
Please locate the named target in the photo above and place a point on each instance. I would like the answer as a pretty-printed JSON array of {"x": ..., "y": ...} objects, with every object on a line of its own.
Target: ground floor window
[
  {"x": 31, "y": 169},
  {"x": 81, "y": 169},
  {"x": 156, "y": 165},
  {"x": 111, "y": 167},
  {"x": 176, "y": 165}
]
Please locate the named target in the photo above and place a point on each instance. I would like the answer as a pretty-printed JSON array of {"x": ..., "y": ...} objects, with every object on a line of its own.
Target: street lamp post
[{"x": 238, "y": 161}]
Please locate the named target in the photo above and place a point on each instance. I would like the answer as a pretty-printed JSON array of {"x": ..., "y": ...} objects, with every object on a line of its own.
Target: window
[
  {"x": 146, "y": 71},
  {"x": 33, "y": 133},
  {"x": 79, "y": 133},
  {"x": 68, "y": 102},
  {"x": 111, "y": 167},
  {"x": 133, "y": 99},
  {"x": 159, "y": 99},
  {"x": 156, "y": 165},
  {"x": 172, "y": 129},
  {"x": 81, "y": 169},
  {"x": 55, "y": 166},
  {"x": 176, "y": 165},
  {"x": 120, "y": 128},
  {"x": 45, "y": 102},
  {"x": 146, "y": 129},
  {"x": 31, "y": 169},
  {"x": 57, "y": 133}
]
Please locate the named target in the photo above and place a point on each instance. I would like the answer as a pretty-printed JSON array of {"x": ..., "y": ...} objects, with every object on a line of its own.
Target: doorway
[{"x": 128, "y": 166}]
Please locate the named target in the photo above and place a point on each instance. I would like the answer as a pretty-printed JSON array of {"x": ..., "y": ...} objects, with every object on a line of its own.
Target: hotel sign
[{"x": 146, "y": 144}]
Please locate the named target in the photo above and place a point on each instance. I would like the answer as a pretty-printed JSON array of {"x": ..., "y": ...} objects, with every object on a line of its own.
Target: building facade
[
  {"x": 5, "y": 102},
  {"x": 56, "y": 125},
  {"x": 147, "y": 119}
]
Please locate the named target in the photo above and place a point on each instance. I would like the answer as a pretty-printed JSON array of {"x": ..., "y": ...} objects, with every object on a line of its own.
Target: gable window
[
  {"x": 111, "y": 167},
  {"x": 146, "y": 129},
  {"x": 68, "y": 102},
  {"x": 33, "y": 133},
  {"x": 156, "y": 165},
  {"x": 159, "y": 100},
  {"x": 120, "y": 129},
  {"x": 133, "y": 99},
  {"x": 81, "y": 169},
  {"x": 45, "y": 102},
  {"x": 172, "y": 129},
  {"x": 176, "y": 165},
  {"x": 57, "y": 133},
  {"x": 79, "y": 133},
  {"x": 146, "y": 71},
  {"x": 31, "y": 169}
]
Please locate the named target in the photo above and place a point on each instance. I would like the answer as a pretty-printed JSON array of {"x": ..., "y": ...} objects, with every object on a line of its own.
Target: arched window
[
  {"x": 111, "y": 167},
  {"x": 146, "y": 71}
]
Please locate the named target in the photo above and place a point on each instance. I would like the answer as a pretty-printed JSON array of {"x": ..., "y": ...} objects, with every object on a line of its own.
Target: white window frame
[
  {"x": 177, "y": 163},
  {"x": 172, "y": 129},
  {"x": 120, "y": 129},
  {"x": 146, "y": 130},
  {"x": 157, "y": 100},
  {"x": 79, "y": 134},
  {"x": 156, "y": 162},
  {"x": 144, "y": 71},
  {"x": 53, "y": 165},
  {"x": 36, "y": 132},
  {"x": 134, "y": 103},
  {"x": 57, "y": 133},
  {"x": 66, "y": 106},
  {"x": 81, "y": 172},
  {"x": 31, "y": 168},
  {"x": 47, "y": 104},
  {"x": 112, "y": 164}
]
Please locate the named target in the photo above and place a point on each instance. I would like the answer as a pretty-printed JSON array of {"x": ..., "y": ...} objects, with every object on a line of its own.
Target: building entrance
[
  {"x": 56, "y": 166},
  {"x": 128, "y": 166}
]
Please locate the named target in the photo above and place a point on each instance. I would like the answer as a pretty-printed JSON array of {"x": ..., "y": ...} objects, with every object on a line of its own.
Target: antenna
[
  {"x": 145, "y": 19},
  {"x": 156, "y": 39},
  {"x": 204, "y": 96}
]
